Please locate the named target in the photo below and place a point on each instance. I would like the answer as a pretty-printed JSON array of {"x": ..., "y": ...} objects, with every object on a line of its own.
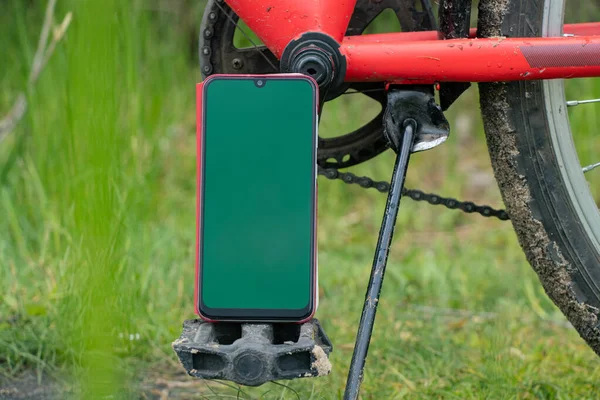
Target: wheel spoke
[
  {"x": 590, "y": 167},
  {"x": 252, "y": 59},
  {"x": 255, "y": 46},
  {"x": 374, "y": 90},
  {"x": 363, "y": 91},
  {"x": 573, "y": 103}
]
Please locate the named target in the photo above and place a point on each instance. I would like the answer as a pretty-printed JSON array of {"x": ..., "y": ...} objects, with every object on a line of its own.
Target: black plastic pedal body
[{"x": 253, "y": 354}]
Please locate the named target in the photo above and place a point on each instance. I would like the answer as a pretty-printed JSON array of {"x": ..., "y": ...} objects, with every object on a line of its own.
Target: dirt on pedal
[
  {"x": 321, "y": 362},
  {"x": 541, "y": 252}
]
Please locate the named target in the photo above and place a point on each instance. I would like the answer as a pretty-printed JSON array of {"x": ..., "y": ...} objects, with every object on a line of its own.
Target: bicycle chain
[{"x": 416, "y": 195}]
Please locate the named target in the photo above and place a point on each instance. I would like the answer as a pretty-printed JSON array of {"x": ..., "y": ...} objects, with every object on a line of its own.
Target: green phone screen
[{"x": 258, "y": 197}]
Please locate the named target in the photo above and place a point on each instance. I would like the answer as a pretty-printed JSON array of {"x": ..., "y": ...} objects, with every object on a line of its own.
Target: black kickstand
[{"x": 402, "y": 141}]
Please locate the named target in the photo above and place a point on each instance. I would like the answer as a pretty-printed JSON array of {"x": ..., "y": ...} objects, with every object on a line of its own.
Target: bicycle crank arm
[
  {"x": 402, "y": 141},
  {"x": 417, "y": 103}
]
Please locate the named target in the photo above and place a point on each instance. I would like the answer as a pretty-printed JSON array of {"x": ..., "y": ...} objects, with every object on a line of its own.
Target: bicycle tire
[{"x": 555, "y": 228}]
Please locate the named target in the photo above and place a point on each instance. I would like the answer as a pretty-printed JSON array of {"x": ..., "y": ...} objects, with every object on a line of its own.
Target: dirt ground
[
  {"x": 156, "y": 386},
  {"x": 28, "y": 386}
]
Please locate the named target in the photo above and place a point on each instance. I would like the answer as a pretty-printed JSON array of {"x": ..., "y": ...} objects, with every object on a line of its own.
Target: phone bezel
[{"x": 252, "y": 315}]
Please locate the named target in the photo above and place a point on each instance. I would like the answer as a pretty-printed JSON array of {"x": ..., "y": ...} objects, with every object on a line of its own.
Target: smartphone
[{"x": 257, "y": 198}]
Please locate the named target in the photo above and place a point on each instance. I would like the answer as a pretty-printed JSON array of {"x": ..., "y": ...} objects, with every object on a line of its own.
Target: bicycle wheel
[{"x": 538, "y": 168}]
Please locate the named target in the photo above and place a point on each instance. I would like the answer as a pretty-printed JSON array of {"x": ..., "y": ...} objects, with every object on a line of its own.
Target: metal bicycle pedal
[
  {"x": 417, "y": 103},
  {"x": 253, "y": 354}
]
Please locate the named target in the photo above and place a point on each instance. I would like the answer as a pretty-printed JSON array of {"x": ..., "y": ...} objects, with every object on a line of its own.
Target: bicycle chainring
[{"x": 218, "y": 54}]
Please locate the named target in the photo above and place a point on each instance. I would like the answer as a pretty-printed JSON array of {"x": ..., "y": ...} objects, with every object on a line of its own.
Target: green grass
[{"x": 97, "y": 238}]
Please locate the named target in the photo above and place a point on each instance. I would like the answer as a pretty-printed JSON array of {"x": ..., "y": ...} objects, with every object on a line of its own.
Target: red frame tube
[
  {"x": 585, "y": 29},
  {"x": 277, "y": 23},
  {"x": 472, "y": 60},
  {"x": 419, "y": 57}
]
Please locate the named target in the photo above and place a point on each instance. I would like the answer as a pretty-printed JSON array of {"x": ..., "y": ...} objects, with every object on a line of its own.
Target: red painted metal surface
[
  {"x": 277, "y": 22},
  {"x": 472, "y": 60},
  {"x": 419, "y": 57},
  {"x": 562, "y": 55},
  {"x": 587, "y": 29}
]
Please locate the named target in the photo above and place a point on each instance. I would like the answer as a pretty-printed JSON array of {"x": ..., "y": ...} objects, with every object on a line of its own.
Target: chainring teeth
[{"x": 218, "y": 54}]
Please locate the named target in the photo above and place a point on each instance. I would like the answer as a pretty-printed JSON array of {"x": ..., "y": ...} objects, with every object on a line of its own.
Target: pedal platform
[{"x": 253, "y": 354}]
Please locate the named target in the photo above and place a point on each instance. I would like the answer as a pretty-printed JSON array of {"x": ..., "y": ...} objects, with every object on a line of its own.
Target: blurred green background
[{"x": 97, "y": 215}]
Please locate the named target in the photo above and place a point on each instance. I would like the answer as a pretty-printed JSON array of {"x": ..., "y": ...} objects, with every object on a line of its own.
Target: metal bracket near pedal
[
  {"x": 253, "y": 354},
  {"x": 418, "y": 104}
]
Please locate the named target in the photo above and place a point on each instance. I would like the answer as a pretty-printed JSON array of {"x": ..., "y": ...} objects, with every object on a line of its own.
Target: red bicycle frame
[{"x": 420, "y": 57}]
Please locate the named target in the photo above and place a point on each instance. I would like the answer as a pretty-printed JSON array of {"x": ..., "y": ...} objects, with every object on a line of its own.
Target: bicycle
[{"x": 520, "y": 54}]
